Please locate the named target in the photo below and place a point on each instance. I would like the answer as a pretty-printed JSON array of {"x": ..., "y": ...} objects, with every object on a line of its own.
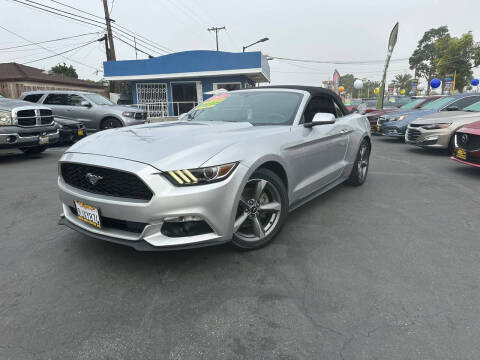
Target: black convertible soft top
[{"x": 313, "y": 90}]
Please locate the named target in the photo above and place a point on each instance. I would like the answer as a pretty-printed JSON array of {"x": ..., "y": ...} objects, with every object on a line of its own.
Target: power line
[
  {"x": 47, "y": 41},
  {"x": 43, "y": 47},
  {"x": 58, "y": 54},
  {"x": 74, "y": 8},
  {"x": 336, "y": 62},
  {"x": 132, "y": 46},
  {"x": 139, "y": 45}
]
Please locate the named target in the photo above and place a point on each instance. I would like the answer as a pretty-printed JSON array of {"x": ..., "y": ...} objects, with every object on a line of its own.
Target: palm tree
[{"x": 403, "y": 81}]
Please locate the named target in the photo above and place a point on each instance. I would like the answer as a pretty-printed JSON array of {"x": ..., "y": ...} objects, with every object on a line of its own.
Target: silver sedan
[{"x": 229, "y": 170}]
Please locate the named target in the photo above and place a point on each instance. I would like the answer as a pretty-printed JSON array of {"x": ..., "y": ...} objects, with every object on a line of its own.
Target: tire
[
  {"x": 360, "y": 167},
  {"x": 451, "y": 145},
  {"x": 110, "y": 123},
  {"x": 34, "y": 150},
  {"x": 255, "y": 227}
]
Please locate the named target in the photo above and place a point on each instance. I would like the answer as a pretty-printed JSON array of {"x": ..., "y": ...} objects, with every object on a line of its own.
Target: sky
[{"x": 331, "y": 30}]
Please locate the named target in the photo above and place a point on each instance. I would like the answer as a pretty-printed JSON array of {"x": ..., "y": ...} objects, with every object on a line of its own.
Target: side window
[
  {"x": 74, "y": 100},
  {"x": 33, "y": 97},
  {"x": 338, "y": 112},
  {"x": 56, "y": 99},
  {"x": 318, "y": 104},
  {"x": 464, "y": 102}
]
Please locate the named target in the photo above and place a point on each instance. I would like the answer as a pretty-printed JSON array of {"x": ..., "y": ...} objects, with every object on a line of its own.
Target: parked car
[
  {"x": 26, "y": 126},
  {"x": 437, "y": 130},
  {"x": 352, "y": 104},
  {"x": 230, "y": 170},
  {"x": 95, "y": 111},
  {"x": 395, "y": 124},
  {"x": 467, "y": 145},
  {"x": 415, "y": 104},
  {"x": 389, "y": 102},
  {"x": 70, "y": 130}
]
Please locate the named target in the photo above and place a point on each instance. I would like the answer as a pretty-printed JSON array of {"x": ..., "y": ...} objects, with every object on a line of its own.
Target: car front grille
[
  {"x": 413, "y": 134},
  {"x": 468, "y": 141},
  {"x": 141, "y": 116},
  {"x": 29, "y": 117},
  {"x": 111, "y": 223},
  {"x": 104, "y": 181}
]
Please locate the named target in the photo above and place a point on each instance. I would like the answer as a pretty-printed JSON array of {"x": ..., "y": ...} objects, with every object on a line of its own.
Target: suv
[
  {"x": 25, "y": 126},
  {"x": 94, "y": 110}
]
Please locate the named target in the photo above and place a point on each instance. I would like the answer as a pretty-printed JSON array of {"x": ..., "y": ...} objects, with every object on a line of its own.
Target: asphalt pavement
[{"x": 388, "y": 270}]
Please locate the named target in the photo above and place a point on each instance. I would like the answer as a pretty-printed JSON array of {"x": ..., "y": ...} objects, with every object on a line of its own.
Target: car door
[
  {"x": 79, "y": 112},
  {"x": 58, "y": 102},
  {"x": 323, "y": 148}
]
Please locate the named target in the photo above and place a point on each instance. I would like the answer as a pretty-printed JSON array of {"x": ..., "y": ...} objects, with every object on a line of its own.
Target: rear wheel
[
  {"x": 360, "y": 167},
  {"x": 261, "y": 212},
  {"x": 34, "y": 150},
  {"x": 451, "y": 145},
  {"x": 110, "y": 123}
]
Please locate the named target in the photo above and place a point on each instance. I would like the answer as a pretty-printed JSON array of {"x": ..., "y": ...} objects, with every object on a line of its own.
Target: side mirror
[
  {"x": 85, "y": 104},
  {"x": 182, "y": 116},
  {"x": 452, "y": 108},
  {"x": 321, "y": 119}
]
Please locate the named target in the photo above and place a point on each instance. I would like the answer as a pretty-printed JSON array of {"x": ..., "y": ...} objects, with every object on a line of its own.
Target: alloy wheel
[
  {"x": 258, "y": 211},
  {"x": 363, "y": 161}
]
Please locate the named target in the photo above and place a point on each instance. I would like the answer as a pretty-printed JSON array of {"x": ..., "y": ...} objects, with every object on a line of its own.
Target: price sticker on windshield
[{"x": 214, "y": 100}]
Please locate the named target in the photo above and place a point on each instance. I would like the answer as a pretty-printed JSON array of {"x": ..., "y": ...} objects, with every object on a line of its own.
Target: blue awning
[{"x": 191, "y": 64}]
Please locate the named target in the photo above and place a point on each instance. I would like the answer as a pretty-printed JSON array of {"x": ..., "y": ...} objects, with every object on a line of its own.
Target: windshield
[
  {"x": 99, "y": 99},
  {"x": 437, "y": 104},
  {"x": 474, "y": 107},
  {"x": 412, "y": 104},
  {"x": 255, "y": 107},
  {"x": 353, "y": 102}
]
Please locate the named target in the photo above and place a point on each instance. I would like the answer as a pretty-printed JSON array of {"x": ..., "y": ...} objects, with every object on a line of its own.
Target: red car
[
  {"x": 373, "y": 116},
  {"x": 467, "y": 145},
  {"x": 352, "y": 104}
]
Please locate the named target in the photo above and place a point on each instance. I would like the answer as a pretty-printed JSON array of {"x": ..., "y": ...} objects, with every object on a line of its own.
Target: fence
[{"x": 165, "y": 109}]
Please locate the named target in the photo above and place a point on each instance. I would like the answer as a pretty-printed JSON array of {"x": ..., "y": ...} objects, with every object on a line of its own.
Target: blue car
[{"x": 395, "y": 124}]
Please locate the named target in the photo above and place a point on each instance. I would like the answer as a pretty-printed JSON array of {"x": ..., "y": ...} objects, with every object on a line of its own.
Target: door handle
[{"x": 343, "y": 131}]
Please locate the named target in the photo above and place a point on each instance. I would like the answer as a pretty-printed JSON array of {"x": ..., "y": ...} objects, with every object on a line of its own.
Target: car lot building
[
  {"x": 172, "y": 84},
  {"x": 17, "y": 78}
]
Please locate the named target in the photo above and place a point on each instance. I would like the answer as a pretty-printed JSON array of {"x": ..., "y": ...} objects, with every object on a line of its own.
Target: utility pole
[
  {"x": 213, "y": 28},
  {"x": 107, "y": 50},
  {"x": 109, "y": 31}
]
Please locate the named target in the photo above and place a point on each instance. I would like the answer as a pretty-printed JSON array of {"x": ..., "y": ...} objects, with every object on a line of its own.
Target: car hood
[
  {"x": 8, "y": 104},
  {"x": 172, "y": 145},
  {"x": 411, "y": 113},
  {"x": 446, "y": 116},
  {"x": 380, "y": 112},
  {"x": 473, "y": 128}
]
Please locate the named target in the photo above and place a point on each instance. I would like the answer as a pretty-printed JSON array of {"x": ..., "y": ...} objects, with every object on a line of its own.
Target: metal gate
[{"x": 152, "y": 97}]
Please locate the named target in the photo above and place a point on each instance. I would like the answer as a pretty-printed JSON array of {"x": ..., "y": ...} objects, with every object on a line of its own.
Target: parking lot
[{"x": 389, "y": 270}]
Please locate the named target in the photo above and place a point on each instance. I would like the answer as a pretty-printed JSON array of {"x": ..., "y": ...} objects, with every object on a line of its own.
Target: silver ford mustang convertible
[{"x": 231, "y": 169}]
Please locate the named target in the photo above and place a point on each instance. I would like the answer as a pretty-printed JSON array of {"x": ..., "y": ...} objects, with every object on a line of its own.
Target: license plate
[
  {"x": 80, "y": 132},
  {"x": 43, "y": 140},
  {"x": 461, "y": 154},
  {"x": 378, "y": 128},
  {"x": 88, "y": 214}
]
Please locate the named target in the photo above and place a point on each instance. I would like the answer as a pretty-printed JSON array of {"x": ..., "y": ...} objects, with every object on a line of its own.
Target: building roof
[
  {"x": 18, "y": 72},
  {"x": 191, "y": 64}
]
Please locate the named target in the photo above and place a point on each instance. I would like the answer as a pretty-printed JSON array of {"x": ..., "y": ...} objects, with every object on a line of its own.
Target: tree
[
  {"x": 457, "y": 55},
  {"x": 425, "y": 56},
  {"x": 347, "y": 81},
  {"x": 63, "y": 69},
  {"x": 403, "y": 81}
]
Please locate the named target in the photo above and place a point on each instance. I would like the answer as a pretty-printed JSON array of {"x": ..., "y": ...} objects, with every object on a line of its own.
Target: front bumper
[
  {"x": 15, "y": 137},
  {"x": 216, "y": 204},
  {"x": 437, "y": 138}
]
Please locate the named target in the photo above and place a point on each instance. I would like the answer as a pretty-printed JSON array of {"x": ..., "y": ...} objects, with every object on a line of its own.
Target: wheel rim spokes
[
  {"x": 363, "y": 162},
  {"x": 258, "y": 210}
]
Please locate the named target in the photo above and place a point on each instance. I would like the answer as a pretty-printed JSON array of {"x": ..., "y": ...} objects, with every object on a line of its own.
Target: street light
[{"x": 259, "y": 41}]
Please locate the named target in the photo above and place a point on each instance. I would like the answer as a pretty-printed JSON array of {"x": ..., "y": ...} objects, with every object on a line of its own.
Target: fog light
[
  {"x": 431, "y": 138},
  {"x": 11, "y": 139},
  {"x": 185, "y": 226}
]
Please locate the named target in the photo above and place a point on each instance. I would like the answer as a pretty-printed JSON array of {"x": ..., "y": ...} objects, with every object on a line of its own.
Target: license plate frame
[
  {"x": 88, "y": 214},
  {"x": 379, "y": 128},
  {"x": 461, "y": 154},
  {"x": 43, "y": 140}
]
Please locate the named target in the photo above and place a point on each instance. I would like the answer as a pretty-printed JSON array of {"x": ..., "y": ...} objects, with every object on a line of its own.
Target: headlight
[
  {"x": 128, "y": 114},
  {"x": 398, "y": 118},
  {"x": 200, "y": 176},
  {"x": 437, "y": 126},
  {"x": 5, "y": 118}
]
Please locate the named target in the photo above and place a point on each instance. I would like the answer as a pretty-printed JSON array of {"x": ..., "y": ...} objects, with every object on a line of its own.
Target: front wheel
[
  {"x": 261, "y": 212},
  {"x": 110, "y": 123},
  {"x": 360, "y": 167},
  {"x": 34, "y": 150}
]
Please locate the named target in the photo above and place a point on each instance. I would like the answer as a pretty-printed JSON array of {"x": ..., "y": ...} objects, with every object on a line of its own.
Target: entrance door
[
  {"x": 184, "y": 97},
  {"x": 152, "y": 97}
]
